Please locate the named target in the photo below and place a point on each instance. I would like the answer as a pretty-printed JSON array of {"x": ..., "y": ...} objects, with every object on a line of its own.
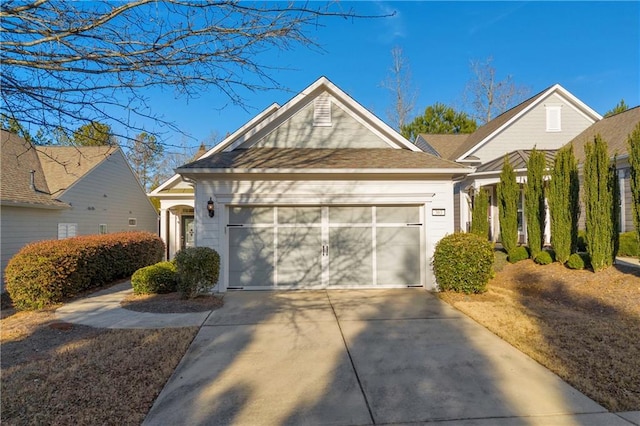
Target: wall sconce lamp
[{"x": 210, "y": 207}]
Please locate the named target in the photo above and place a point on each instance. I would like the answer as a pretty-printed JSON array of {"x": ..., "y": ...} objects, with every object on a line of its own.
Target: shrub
[
  {"x": 534, "y": 196},
  {"x": 543, "y": 258},
  {"x": 518, "y": 254},
  {"x": 629, "y": 245},
  {"x": 155, "y": 279},
  {"x": 582, "y": 241},
  {"x": 479, "y": 219},
  {"x": 463, "y": 263},
  {"x": 198, "y": 270},
  {"x": 47, "y": 272},
  {"x": 508, "y": 196},
  {"x": 575, "y": 261}
]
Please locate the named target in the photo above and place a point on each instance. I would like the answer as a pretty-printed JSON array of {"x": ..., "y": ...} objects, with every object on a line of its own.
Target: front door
[{"x": 188, "y": 237}]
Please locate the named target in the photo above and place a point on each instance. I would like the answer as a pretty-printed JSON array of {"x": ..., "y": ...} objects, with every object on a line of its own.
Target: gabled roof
[
  {"x": 518, "y": 160},
  {"x": 63, "y": 166},
  {"x": 444, "y": 145},
  {"x": 321, "y": 160},
  {"x": 19, "y": 158},
  {"x": 614, "y": 130},
  {"x": 485, "y": 133}
]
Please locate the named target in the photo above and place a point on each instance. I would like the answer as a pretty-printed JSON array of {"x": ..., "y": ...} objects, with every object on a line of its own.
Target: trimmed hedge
[
  {"x": 629, "y": 245},
  {"x": 155, "y": 279},
  {"x": 198, "y": 270},
  {"x": 517, "y": 254},
  {"x": 463, "y": 263},
  {"x": 576, "y": 261},
  {"x": 543, "y": 258},
  {"x": 47, "y": 272}
]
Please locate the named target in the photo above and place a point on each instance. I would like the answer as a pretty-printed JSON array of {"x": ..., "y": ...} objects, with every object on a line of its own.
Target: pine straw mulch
[
  {"x": 60, "y": 373},
  {"x": 584, "y": 326}
]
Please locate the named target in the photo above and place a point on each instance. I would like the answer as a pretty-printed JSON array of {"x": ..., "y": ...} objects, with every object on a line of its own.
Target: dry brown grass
[
  {"x": 60, "y": 373},
  {"x": 170, "y": 303},
  {"x": 583, "y": 326}
]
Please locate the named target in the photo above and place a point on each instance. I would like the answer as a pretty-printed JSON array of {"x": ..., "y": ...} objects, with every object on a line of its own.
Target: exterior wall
[
  {"x": 435, "y": 194},
  {"x": 109, "y": 194},
  {"x": 530, "y": 131},
  {"x": 171, "y": 212},
  {"x": 21, "y": 226},
  {"x": 299, "y": 132}
]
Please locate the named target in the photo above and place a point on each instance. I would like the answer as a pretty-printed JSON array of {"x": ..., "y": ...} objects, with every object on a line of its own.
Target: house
[
  {"x": 316, "y": 193},
  {"x": 614, "y": 130},
  {"x": 546, "y": 121},
  {"x": 54, "y": 192}
]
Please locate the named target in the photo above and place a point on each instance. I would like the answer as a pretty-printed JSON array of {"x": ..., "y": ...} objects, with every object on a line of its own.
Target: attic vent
[
  {"x": 322, "y": 111},
  {"x": 554, "y": 118}
]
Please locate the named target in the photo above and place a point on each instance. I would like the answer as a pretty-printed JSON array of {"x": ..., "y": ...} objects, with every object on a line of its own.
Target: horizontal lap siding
[{"x": 530, "y": 131}]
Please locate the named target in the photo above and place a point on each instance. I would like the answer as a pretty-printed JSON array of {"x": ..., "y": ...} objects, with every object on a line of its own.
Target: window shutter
[{"x": 322, "y": 111}]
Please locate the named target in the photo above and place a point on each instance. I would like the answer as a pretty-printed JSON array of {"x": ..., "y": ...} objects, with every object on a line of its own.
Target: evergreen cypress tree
[
  {"x": 634, "y": 160},
  {"x": 564, "y": 204},
  {"x": 615, "y": 209},
  {"x": 535, "y": 211},
  {"x": 598, "y": 200},
  {"x": 508, "y": 194},
  {"x": 479, "y": 219}
]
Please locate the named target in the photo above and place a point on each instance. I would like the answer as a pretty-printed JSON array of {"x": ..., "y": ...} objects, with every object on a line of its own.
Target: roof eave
[{"x": 440, "y": 171}]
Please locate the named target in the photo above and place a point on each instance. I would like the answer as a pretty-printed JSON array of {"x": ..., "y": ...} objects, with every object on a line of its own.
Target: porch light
[{"x": 210, "y": 207}]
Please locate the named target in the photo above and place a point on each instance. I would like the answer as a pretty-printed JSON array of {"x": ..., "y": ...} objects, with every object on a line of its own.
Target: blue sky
[{"x": 590, "y": 48}]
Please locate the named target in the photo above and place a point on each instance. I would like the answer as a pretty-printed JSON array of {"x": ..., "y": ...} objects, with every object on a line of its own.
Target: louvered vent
[{"x": 322, "y": 111}]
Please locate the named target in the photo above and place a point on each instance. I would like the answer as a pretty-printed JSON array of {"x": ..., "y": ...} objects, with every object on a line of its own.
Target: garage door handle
[
  {"x": 414, "y": 224},
  {"x": 325, "y": 250}
]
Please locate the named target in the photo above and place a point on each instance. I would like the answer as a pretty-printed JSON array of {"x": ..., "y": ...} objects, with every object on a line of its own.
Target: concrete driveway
[{"x": 358, "y": 358}]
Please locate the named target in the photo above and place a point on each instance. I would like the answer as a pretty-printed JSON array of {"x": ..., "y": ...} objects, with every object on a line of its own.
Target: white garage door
[{"x": 324, "y": 246}]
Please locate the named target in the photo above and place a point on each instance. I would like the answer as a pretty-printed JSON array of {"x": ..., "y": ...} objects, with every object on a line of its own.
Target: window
[
  {"x": 322, "y": 111},
  {"x": 102, "y": 228},
  {"x": 67, "y": 230},
  {"x": 554, "y": 118},
  {"x": 133, "y": 221}
]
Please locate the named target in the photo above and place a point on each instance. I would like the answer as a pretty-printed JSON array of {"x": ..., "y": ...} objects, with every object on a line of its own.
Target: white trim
[
  {"x": 222, "y": 145},
  {"x": 561, "y": 91},
  {"x": 327, "y": 171}
]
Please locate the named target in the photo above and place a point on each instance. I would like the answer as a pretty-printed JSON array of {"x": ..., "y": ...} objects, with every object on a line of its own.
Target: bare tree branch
[
  {"x": 403, "y": 93},
  {"x": 67, "y": 63}
]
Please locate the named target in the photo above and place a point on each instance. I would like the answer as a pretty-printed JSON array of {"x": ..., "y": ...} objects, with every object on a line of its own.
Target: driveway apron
[{"x": 360, "y": 357}]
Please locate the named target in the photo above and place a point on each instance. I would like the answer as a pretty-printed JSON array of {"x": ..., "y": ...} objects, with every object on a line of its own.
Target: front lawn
[
  {"x": 60, "y": 373},
  {"x": 583, "y": 326}
]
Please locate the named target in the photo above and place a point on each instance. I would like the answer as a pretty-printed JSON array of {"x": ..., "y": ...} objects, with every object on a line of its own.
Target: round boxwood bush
[
  {"x": 155, "y": 279},
  {"x": 198, "y": 270},
  {"x": 519, "y": 253},
  {"x": 463, "y": 263},
  {"x": 543, "y": 258},
  {"x": 575, "y": 261}
]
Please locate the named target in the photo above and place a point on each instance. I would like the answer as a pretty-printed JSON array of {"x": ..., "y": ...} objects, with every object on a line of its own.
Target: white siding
[
  {"x": 299, "y": 132},
  {"x": 435, "y": 194},
  {"x": 530, "y": 130},
  {"x": 109, "y": 194}
]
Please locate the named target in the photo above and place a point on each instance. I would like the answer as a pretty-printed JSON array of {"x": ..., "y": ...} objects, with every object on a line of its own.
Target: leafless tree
[
  {"x": 402, "y": 91},
  {"x": 489, "y": 97},
  {"x": 68, "y": 63}
]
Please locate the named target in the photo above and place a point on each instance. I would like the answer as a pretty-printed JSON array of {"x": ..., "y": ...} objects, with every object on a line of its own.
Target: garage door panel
[
  {"x": 350, "y": 257},
  {"x": 250, "y": 215},
  {"x": 299, "y": 215},
  {"x": 299, "y": 257},
  {"x": 350, "y": 214},
  {"x": 398, "y": 256},
  {"x": 251, "y": 257},
  {"x": 398, "y": 214}
]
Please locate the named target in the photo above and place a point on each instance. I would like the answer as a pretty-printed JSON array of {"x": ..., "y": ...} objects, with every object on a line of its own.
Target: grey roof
[
  {"x": 65, "y": 165},
  {"x": 19, "y": 157},
  {"x": 322, "y": 158},
  {"x": 614, "y": 130},
  {"x": 517, "y": 159},
  {"x": 445, "y": 145}
]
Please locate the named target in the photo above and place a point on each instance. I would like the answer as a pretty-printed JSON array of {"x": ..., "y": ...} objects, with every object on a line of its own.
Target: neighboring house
[
  {"x": 546, "y": 121},
  {"x": 51, "y": 192},
  {"x": 614, "y": 130},
  {"x": 317, "y": 193}
]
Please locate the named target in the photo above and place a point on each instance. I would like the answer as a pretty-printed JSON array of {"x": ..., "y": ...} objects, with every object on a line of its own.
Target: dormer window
[
  {"x": 322, "y": 111},
  {"x": 554, "y": 118}
]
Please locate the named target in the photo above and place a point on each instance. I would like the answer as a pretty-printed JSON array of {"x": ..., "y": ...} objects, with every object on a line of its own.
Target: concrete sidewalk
[
  {"x": 102, "y": 310},
  {"x": 362, "y": 357}
]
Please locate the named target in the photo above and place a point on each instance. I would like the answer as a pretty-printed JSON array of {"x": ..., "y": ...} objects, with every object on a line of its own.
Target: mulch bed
[{"x": 170, "y": 303}]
